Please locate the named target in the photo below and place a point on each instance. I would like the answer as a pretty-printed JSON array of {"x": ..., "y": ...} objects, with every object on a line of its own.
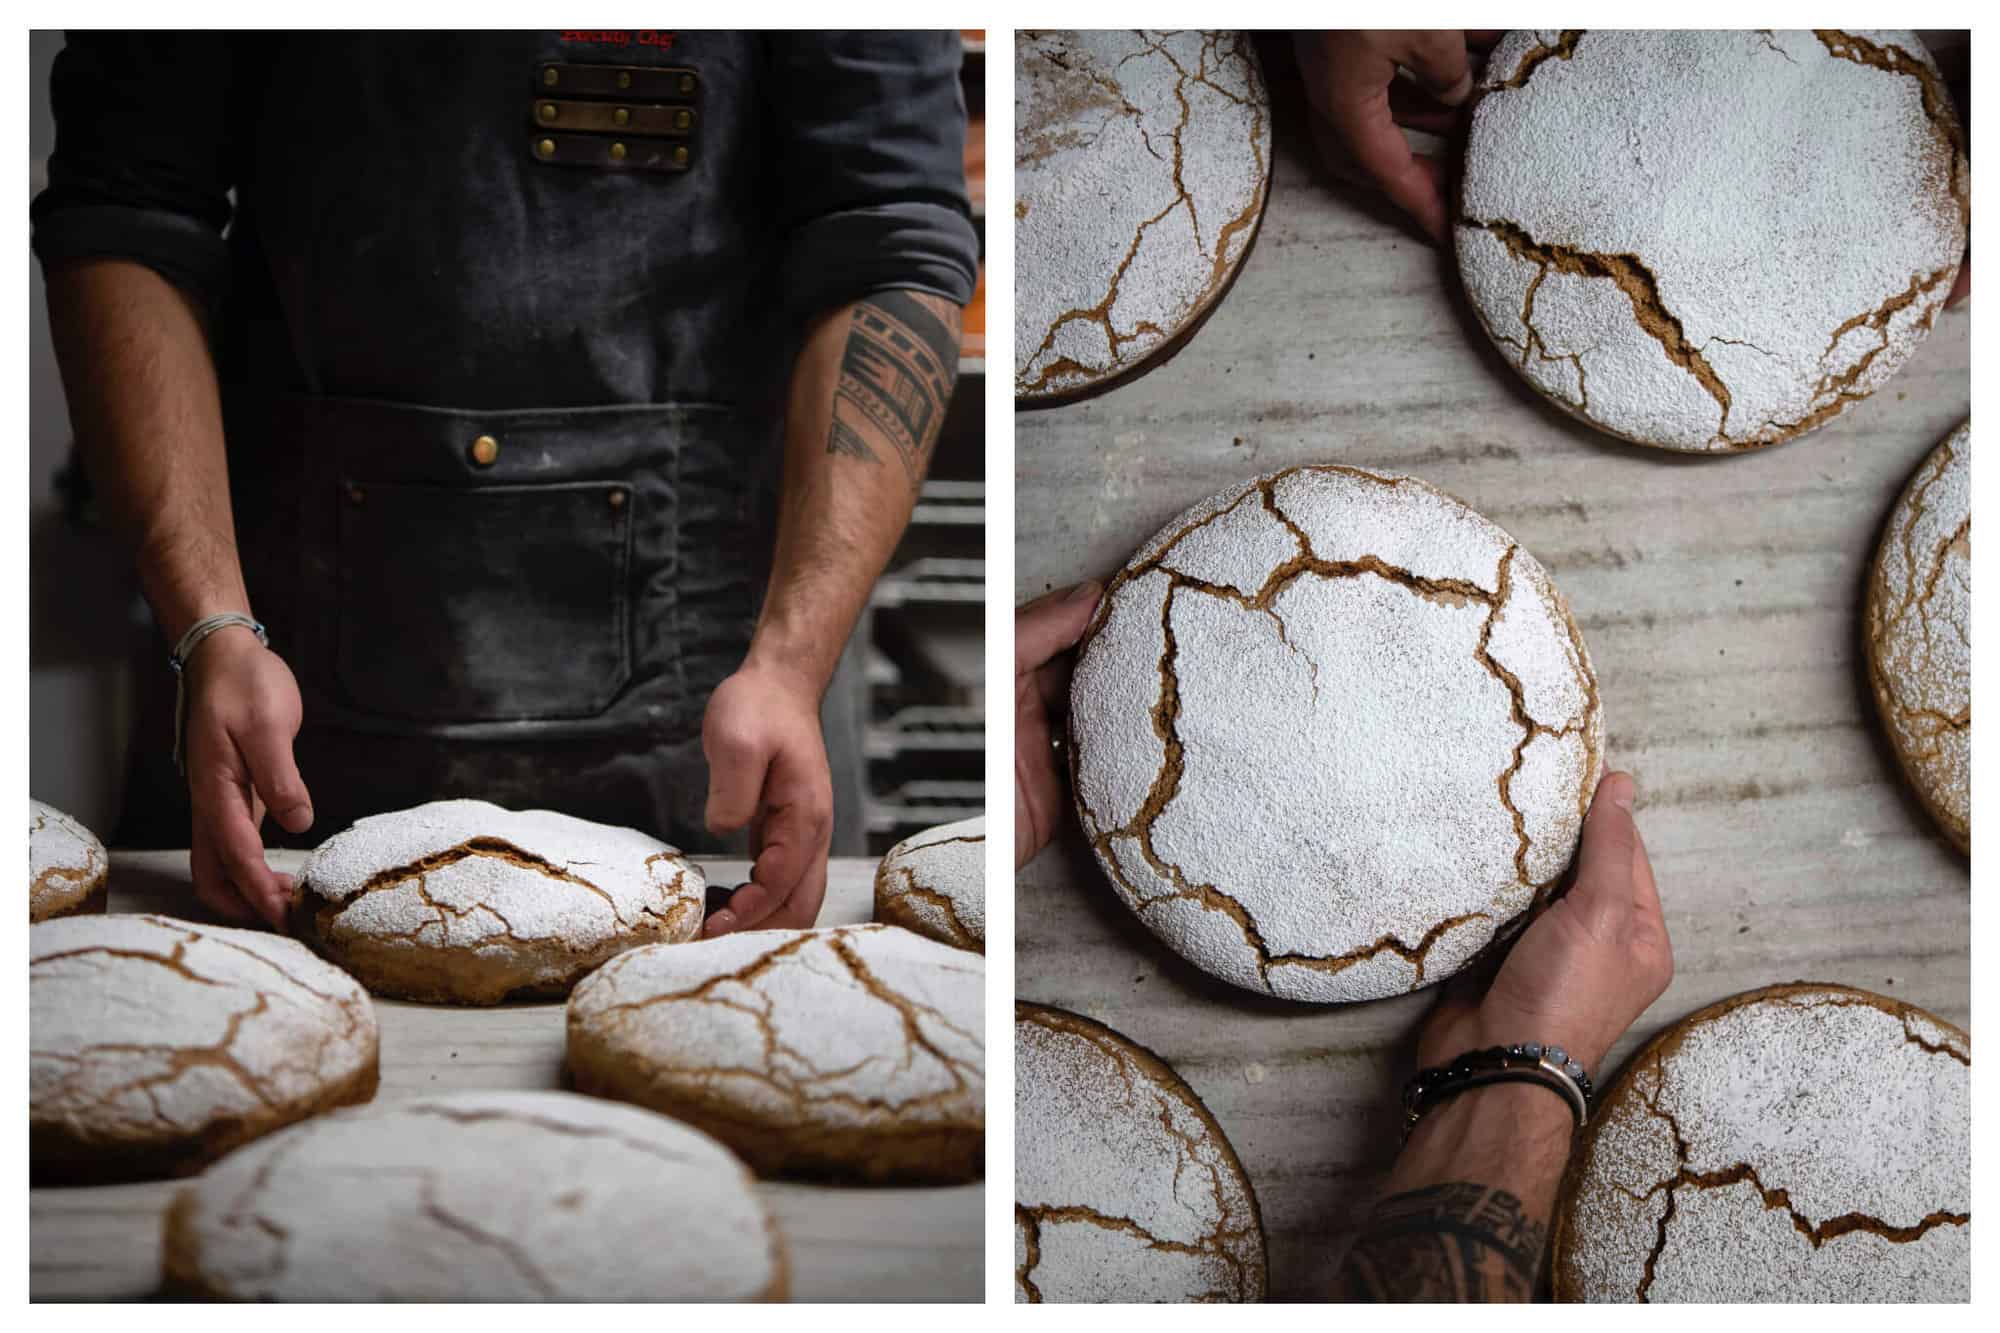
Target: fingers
[
  {"x": 1437, "y": 60},
  {"x": 737, "y": 760},
  {"x": 275, "y": 776},
  {"x": 1362, "y": 120},
  {"x": 795, "y": 829},
  {"x": 211, "y": 887},
  {"x": 1051, "y": 624},
  {"x": 1610, "y": 851},
  {"x": 226, "y": 821}
]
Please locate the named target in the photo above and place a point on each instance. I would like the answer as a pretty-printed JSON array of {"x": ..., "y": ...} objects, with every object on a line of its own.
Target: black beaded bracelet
[{"x": 1523, "y": 1062}]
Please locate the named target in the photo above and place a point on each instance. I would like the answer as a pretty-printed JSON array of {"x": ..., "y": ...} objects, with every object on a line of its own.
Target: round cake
[
  {"x": 1804, "y": 1142},
  {"x": 935, "y": 884},
  {"x": 1918, "y": 630},
  {"x": 1141, "y": 164},
  {"x": 1332, "y": 733},
  {"x": 462, "y": 902},
  {"x": 1710, "y": 241},
  {"x": 478, "y": 1196},
  {"x": 850, "y": 1051},
  {"x": 157, "y": 1045},
  {"x": 1125, "y": 1188},
  {"x": 67, "y": 865}
]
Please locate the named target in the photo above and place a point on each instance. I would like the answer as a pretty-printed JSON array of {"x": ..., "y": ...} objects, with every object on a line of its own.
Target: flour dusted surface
[
  {"x": 1918, "y": 626},
  {"x": 1125, "y": 1187},
  {"x": 934, "y": 883},
  {"x": 1710, "y": 240},
  {"x": 66, "y": 862},
  {"x": 1141, "y": 167},
  {"x": 145, "y": 1030},
  {"x": 480, "y": 1196},
  {"x": 1332, "y": 732},
  {"x": 1763, "y": 1123}
]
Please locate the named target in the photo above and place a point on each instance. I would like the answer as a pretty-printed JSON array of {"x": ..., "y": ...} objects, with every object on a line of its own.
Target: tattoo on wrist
[
  {"x": 1454, "y": 1242},
  {"x": 896, "y": 378}
]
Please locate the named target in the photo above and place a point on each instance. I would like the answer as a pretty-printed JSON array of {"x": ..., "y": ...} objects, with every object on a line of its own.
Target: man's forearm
[
  {"x": 1466, "y": 1213},
  {"x": 867, "y": 401},
  {"x": 147, "y": 412}
]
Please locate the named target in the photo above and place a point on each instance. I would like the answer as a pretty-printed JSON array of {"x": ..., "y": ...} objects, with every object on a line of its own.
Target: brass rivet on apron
[
  {"x": 484, "y": 450},
  {"x": 680, "y": 157},
  {"x": 624, "y": 80},
  {"x": 617, "y": 499},
  {"x": 687, "y": 83},
  {"x": 546, "y": 148},
  {"x": 620, "y": 116},
  {"x": 618, "y": 152},
  {"x": 355, "y": 495},
  {"x": 683, "y": 119},
  {"x": 549, "y": 77},
  {"x": 547, "y": 111}
]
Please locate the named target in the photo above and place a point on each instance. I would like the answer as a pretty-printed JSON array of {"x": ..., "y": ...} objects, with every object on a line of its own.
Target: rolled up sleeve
[
  {"x": 872, "y": 168},
  {"x": 143, "y": 164}
]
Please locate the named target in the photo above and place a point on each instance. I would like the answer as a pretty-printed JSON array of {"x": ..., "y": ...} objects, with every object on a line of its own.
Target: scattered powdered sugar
[
  {"x": 459, "y": 874},
  {"x": 145, "y": 1027},
  {"x": 841, "y": 1026},
  {"x": 1801, "y": 1143},
  {"x": 937, "y": 879},
  {"x": 1710, "y": 240},
  {"x": 486, "y": 1196},
  {"x": 1919, "y": 631},
  {"x": 1125, "y": 1188},
  {"x": 65, "y": 859},
  {"x": 1332, "y": 732},
  {"x": 1140, "y": 169}
]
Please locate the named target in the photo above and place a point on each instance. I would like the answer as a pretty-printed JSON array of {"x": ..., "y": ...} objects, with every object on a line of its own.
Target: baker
[{"x": 547, "y": 405}]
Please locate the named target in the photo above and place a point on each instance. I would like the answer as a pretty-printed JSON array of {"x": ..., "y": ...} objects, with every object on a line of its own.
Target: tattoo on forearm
[
  {"x": 895, "y": 379},
  {"x": 1454, "y": 1242}
]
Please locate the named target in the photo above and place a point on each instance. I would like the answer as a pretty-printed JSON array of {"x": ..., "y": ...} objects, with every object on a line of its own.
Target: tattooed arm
[
  {"x": 867, "y": 401},
  {"x": 1468, "y": 1203}
]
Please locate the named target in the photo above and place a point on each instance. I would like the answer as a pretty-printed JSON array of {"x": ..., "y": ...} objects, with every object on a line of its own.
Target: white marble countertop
[
  {"x": 1720, "y": 598},
  {"x": 868, "y": 1244}
]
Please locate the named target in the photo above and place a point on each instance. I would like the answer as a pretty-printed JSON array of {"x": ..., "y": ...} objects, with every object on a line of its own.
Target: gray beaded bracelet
[
  {"x": 1523, "y": 1062},
  {"x": 189, "y": 641}
]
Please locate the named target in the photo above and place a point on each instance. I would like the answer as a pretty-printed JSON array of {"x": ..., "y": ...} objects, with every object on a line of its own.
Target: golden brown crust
[
  {"x": 892, "y": 908},
  {"x": 95, "y": 899},
  {"x": 1169, "y": 1081},
  {"x": 60, "y": 1154},
  {"x": 1563, "y": 1277}
]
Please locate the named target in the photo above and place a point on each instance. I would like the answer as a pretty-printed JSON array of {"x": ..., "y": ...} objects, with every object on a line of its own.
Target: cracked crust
[
  {"x": 1125, "y": 1187},
  {"x": 1803, "y": 1142},
  {"x": 1917, "y": 629},
  {"x": 67, "y": 866},
  {"x": 157, "y": 1045},
  {"x": 1721, "y": 260},
  {"x": 480, "y": 1196},
  {"x": 851, "y": 1051},
  {"x": 463, "y": 902},
  {"x": 934, "y": 883},
  {"x": 1142, "y": 163},
  {"x": 1332, "y": 734}
]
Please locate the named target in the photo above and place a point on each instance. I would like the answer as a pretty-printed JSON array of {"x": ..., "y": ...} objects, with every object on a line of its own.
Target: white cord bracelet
[{"x": 189, "y": 641}]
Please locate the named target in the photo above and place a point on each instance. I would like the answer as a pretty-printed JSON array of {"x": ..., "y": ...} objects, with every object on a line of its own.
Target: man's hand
[
  {"x": 1586, "y": 967},
  {"x": 243, "y": 713},
  {"x": 767, "y": 768},
  {"x": 1360, "y": 108},
  {"x": 1044, "y": 632}
]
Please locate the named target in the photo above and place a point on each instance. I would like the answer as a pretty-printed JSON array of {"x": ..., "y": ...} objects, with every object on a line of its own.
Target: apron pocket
[{"x": 484, "y": 603}]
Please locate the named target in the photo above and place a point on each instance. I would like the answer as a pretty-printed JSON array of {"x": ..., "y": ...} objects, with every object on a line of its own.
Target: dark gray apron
[{"x": 504, "y": 430}]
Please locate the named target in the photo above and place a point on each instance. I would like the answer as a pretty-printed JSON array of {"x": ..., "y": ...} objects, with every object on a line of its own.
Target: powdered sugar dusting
[
  {"x": 495, "y": 1196},
  {"x": 1141, "y": 166},
  {"x": 582, "y": 884},
  {"x": 1710, "y": 240},
  {"x": 934, "y": 883},
  {"x": 1802, "y": 1143},
  {"x": 1919, "y": 630},
  {"x": 66, "y": 862},
  {"x": 1333, "y": 732},
  {"x": 145, "y": 1028},
  {"x": 841, "y": 1027},
  {"x": 1125, "y": 1188}
]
